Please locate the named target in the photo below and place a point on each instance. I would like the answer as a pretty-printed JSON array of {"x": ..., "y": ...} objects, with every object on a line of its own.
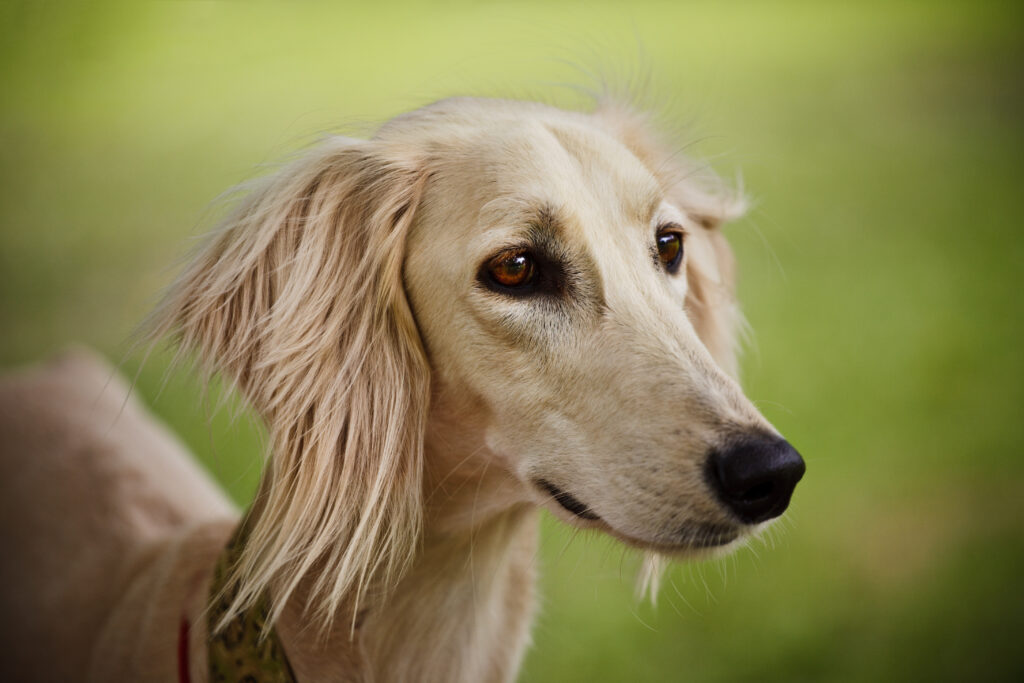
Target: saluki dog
[{"x": 487, "y": 308}]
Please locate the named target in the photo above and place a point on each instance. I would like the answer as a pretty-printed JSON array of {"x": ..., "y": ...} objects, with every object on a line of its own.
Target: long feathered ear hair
[{"x": 298, "y": 300}]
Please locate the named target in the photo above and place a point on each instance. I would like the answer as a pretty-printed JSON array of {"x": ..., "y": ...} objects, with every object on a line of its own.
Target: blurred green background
[{"x": 881, "y": 272}]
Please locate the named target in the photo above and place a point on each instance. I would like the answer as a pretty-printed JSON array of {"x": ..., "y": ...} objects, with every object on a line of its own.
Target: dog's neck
[{"x": 462, "y": 612}]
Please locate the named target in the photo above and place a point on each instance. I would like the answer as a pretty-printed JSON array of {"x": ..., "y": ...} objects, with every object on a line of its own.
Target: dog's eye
[
  {"x": 670, "y": 248},
  {"x": 512, "y": 269}
]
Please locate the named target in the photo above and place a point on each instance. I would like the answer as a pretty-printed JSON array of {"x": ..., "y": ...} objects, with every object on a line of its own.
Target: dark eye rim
[
  {"x": 486, "y": 277},
  {"x": 672, "y": 267}
]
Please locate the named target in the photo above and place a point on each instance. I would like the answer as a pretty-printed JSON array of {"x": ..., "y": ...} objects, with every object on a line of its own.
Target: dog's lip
[{"x": 568, "y": 502}]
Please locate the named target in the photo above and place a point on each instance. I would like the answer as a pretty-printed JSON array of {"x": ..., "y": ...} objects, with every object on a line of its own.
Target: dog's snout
[{"x": 756, "y": 477}]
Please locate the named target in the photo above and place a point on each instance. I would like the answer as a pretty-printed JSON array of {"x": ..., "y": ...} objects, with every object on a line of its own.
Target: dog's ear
[
  {"x": 298, "y": 300},
  {"x": 693, "y": 188}
]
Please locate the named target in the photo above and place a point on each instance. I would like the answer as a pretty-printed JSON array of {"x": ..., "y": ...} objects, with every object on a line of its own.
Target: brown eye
[
  {"x": 512, "y": 269},
  {"x": 670, "y": 249}
]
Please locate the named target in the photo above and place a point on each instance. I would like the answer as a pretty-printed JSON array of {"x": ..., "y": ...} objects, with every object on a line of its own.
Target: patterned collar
[{"x": 241, "y": 651}]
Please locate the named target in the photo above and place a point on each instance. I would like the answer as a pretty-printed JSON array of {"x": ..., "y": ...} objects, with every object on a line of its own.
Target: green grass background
[{"x": 881, "y": 272}]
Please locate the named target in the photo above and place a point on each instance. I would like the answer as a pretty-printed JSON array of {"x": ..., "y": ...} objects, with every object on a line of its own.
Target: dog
[{"x": 488, "y": 308}]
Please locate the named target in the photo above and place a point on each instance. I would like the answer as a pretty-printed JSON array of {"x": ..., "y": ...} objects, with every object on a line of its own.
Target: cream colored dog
[{"x": 488, "y": 308}]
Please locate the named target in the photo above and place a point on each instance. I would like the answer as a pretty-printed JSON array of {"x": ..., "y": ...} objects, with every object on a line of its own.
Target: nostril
[{"x": 755, "y": 476}]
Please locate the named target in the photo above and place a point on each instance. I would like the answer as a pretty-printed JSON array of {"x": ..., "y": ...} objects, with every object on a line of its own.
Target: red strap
[{"x": 184, "y": 676}]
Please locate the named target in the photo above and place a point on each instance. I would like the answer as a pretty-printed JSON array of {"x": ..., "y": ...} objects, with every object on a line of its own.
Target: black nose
[{"x": 756, "y": 476}]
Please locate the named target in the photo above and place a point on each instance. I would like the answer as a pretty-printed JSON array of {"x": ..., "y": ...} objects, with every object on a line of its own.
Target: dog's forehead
[
  {"x": 543, "y": 157},
  {"x": 574, "y": 166}
]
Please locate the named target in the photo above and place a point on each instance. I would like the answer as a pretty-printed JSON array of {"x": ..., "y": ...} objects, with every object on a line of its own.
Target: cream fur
[{"x": 411, "y": 411}]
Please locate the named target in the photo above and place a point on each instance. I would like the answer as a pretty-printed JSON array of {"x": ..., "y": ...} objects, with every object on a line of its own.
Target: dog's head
[
  {"x": 578, "y": 293},
  {"x": 554, "y": 279}
]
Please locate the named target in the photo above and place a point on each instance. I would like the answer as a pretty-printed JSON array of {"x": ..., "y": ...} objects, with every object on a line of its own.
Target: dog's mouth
[
  {"x": 691, "y": 535},
  {"x": 567, "y": 501}
]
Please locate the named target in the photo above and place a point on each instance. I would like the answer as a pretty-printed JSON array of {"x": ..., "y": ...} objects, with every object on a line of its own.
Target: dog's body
[
  {"x": 111, "y": 529},
  {"x": 484, "y": 309}
]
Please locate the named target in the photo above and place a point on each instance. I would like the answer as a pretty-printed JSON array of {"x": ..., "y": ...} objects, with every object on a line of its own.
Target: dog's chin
[
  {"x": 704, "y": 544},
  {"x": 694, "y": 538}
]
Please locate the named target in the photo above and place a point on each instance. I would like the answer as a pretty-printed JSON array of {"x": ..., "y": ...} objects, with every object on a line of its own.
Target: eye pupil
[
  {"x": 670, "y": 249},
  {"x": 512, "y": 270}
]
